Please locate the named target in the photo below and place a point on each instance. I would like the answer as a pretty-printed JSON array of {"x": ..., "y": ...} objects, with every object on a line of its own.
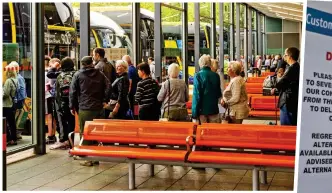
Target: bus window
[
  {"x": 6, "y": 26},
  {"x": 58, "y": 14},
  {"x": 65, "y": 14}
]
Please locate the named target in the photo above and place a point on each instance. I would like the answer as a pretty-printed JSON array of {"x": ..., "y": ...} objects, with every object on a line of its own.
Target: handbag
[
  {"x": 169, "y": 103},
  {"x": 226, "y": 117}
]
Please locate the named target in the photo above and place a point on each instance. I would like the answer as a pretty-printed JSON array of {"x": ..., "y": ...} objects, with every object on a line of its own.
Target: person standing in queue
[
  {"x": 88, "y": 94},
  {"x": 146, "y": 94},
  {"x": 120, "y": 89},
  {"x": 206, "y": 93},
  {"x": 288, "y": 87},
  {"x": 133, "y": 80},
  {"x": 104, "y": 66},
  {"x": 235, "y": 98}
]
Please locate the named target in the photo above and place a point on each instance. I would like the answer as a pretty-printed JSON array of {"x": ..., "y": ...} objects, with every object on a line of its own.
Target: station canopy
[{"x": 289, "y": 11}]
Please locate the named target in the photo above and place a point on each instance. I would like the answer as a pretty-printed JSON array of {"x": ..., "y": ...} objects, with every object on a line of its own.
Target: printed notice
[{"x": 315, "y": 149}]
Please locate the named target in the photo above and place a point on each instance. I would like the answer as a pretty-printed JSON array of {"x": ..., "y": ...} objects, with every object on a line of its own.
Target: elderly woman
[
  {"x": 9, "y": 92},
  {"x": 235, "y": 97},
  {"x": 174, "y": 94},
  {"x": 120, "y": 90},
  {"x": 206, "y": 93}
]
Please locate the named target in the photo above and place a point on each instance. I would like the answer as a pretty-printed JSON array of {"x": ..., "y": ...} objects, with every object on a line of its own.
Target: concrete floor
[{"x": 57, "y": 171}]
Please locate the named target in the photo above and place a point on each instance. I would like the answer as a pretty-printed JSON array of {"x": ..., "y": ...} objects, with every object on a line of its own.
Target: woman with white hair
[
  {"x": 8, "y": 100},
  {"x": 174, "y": 94},
  {"x": 120, "y": 89},
  {"x": 235, "y": 98},
  {"x": 21, "y": 94},
  {"x": 206, "y": 93}
]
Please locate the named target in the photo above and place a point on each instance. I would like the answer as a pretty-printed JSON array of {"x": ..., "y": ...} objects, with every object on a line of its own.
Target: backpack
[
  {"x": 64, "y": 80},
  {"x": 17, "y": 104}
]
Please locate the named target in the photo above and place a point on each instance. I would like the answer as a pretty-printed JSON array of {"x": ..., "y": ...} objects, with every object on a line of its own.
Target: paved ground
[{"x": 57, "y": 171}]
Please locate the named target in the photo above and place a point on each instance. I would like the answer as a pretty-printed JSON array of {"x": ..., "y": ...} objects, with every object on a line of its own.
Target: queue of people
[{"x": 104, "y": 90}]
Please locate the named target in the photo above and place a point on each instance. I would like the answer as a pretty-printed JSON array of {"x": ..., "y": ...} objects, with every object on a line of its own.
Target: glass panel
[
  {"x": 205, "y": 36},
  {"x": 290, "y": 26},
  {"x": 262, "y": 23},
  {"x": 6, "y": 26},
  {"x": 242, "y": 15},
  {"x": 178, "y": 5},
  {"x": 291, "y": 40},
  {"x": 147, "y": 30},
  {"x": 18, "y": 123},
  {"x": 227, "y": 25},
  {"x": 113, "y": 25},
  {"x": 60, "y": 42},
  {"x": 171, "y": 27},
  {"x": 205, "y": 9},
  {"x": 253, "y": 20},
  {"x": 65, "y": 14},
  {"x": 273, "y": 24},
  {"x": 274, "y": 43}
]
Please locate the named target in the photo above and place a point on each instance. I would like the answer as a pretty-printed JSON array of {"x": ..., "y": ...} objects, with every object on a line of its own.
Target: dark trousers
[
  {"x": 55, "y": 116},
  {"x": 9, "y": 113},
  {"x": 66, "y": 123},
  {"x": 88, "y": 115},
  {"x": 150, "y": 113},
  {"x": 131, "y": 97}
]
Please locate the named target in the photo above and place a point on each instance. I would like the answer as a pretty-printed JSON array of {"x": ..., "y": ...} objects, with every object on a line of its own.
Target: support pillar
[
  {"x": 84, "y": 30},
  {"x": 157, "y": 41},
  {"x": 38, "y": 79}
]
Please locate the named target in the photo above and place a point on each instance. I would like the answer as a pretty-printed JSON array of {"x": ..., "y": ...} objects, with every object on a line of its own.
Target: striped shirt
[{"x": 147, "y": 92}]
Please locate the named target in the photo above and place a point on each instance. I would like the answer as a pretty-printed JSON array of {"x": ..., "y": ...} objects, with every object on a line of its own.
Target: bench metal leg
[
  {"x": 131, "y": 176},
  {"x": 151, "y": 170},
  {"x": 255, "y": 179},
  {"x": 263, "y": 177}
]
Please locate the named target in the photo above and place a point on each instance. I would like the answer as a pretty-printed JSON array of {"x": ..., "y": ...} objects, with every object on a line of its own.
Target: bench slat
[
  {"x": 242, "y": 159},
  {"x": 247, "y": 136},
  {"x": 129, "y": 152},
  {"x": 139, "y": 132}
]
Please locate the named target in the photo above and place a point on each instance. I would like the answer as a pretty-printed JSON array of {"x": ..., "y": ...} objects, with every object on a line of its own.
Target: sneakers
[
  {"x": 89, "y": 163},
  {"x": 18, "y": 135},
  {"x": 60, "y": 145},
  {"x": 50, "y": 139}
]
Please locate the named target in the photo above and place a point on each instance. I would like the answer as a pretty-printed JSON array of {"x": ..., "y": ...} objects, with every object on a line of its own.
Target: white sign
[{"x": 314, "y": 167}]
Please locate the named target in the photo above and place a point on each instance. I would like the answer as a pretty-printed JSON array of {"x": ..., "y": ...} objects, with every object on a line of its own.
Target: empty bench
[
  {"x": 264, "y": 106},
  {"x": 151, "y": 134}
]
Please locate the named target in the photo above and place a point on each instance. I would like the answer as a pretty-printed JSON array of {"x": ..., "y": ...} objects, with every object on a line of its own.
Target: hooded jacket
[{"x": 89, "y": 89}]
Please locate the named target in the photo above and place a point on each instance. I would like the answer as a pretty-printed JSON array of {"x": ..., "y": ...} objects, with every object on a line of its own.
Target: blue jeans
[{"x": 286, "y": 117}]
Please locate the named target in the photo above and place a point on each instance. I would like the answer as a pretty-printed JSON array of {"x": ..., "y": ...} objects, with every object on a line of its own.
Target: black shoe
[
  {"x": 51, "y": 139},
  {"x": 10, "y": 143}
]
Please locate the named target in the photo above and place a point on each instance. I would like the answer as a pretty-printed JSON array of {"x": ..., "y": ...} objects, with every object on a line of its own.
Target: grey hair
[
  {"x": 173, "y": 70},
  {"x": 122, "y": 63},
  {"x": 236, "y": 67},
  {"x": 204, "y": 60}
]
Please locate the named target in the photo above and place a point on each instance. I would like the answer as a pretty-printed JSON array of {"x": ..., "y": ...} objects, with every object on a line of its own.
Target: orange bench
[
  {"x": 148, "y": 133},
  {"x": 256, "y": 80},
  {"x": 265, "y": 74},
  {"x": 152, "y": 134},
  {"x": 264, "y": 106},
  {"x": 245, "y": 136}
]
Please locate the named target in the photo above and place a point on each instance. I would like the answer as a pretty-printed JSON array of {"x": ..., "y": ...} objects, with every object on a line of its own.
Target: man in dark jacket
[
  {"x": 102, "y": 64},
  {"x": 89, "y": 92},
  {"x": 288, "y": 87}
]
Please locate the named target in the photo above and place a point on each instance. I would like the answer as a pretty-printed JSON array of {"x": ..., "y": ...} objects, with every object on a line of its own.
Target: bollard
[{"x": 4, "y": 156}]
